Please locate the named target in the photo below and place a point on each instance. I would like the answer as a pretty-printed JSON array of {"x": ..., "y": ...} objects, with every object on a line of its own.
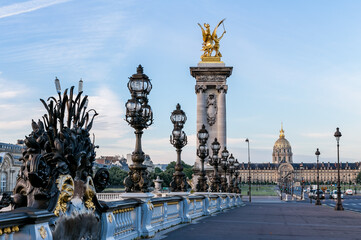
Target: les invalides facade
[{"x": 282, "y": 167}]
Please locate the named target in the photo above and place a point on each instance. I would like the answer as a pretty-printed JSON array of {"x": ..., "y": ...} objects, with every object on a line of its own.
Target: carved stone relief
[
  {"x": 211, "y": 109},
  {"x": 211, "y": 78}
]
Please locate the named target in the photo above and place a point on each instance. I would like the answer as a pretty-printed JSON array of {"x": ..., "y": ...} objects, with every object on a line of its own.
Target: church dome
[{"x": 282, "y": 151}]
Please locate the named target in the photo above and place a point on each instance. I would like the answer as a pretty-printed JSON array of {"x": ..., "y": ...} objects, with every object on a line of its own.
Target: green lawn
[
  {"x": 113, "y": 190},
  {"x": 260, "y": 190}
]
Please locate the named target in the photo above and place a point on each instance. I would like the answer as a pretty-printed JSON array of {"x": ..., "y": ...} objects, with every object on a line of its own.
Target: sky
[{"x": 296, "y": 62}]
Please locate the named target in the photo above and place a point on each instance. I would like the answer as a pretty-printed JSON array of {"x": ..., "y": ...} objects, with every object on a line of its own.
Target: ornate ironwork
[
  {"x": 224, "y": 165},
  {"x": 215, "y": 162},
  {"x": 237, "y": 188},
  {"x": 59, "y": 145},
  {"x": 231, "y": 161},
  {"x": 140, "y": 116},
  {"x": 178, "y": 139},
  {"x": 202, "y": 153}
]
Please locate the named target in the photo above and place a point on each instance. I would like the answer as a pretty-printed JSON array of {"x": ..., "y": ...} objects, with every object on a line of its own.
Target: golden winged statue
[{"x": 211, "y": 42}]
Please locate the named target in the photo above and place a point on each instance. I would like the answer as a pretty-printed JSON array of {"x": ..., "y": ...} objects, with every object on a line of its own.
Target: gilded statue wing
[
  {"x": 215, "y": 29},
  {"x": 203, "y": 33}
]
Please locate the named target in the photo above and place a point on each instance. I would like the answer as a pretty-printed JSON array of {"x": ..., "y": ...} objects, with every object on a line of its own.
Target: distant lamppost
[
  {"x": 318, "y": 202},
  {"x": 249, "y": 173},
  {"x": 302, "y": 181},
  {"x": 139, "y": 115},
  {"x": 338, "y": 206},
  {"x": 215, "y": 162},
  {"x": 236, "y": 173},
  {"x": 202, "y": 153},
  {"x": 355, "y": 183},
  {"x": 178, "y": 139},
  {"x": 231, "y": 161},
  {"x": 224, "y": 165}
]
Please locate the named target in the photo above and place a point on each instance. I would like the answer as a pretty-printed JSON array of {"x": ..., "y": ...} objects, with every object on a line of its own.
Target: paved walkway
[{"x": 271, "y": 220}]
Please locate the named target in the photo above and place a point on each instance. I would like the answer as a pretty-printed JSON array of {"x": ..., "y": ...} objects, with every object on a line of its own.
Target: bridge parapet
[{"x": 123, "y": 219}]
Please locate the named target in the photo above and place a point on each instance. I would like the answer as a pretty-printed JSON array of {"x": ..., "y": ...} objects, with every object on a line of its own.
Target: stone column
[
  {"x": 212, "y": 114},
  {"x": 221, "y": 117},
  {"x": 201, "y": 117}
]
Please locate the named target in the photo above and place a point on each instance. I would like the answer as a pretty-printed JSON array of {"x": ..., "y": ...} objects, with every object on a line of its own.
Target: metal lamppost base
[
  {"x": 318, "y": 202},
  {"x": 339, "y": 207},
  {"x": 202, "y": 185},
  {"x": 216, "y": 184},
  {"x": 224, "y": 184},
  {"x": 179, "y": 183}
]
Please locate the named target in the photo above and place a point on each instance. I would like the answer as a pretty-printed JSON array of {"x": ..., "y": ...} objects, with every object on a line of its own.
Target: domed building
[
  {"x": 282, "y": 151},
  {"x": 283, "y": 169}
]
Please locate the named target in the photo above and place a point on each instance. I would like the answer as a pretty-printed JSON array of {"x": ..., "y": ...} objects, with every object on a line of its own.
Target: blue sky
[{"x": 296, "y": 62}]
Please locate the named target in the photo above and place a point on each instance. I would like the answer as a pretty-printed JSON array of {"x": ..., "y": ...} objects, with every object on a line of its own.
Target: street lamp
[
  {"x": 215, "y": 162},
  {"x": 236, "y": 168},
  {"x": 224, "y": 165},
  {"x": 178, "y": 139},
  {"x": 338, "y": 206},
  {"x": 231, "y": 161},
  {"x": 302, "y": 180},
  {"x": 139, "y": 115},
  {"x": 318, "y": 202},
  {"x": 202, "y": 153},
  {"x": 249, "y": 173}
]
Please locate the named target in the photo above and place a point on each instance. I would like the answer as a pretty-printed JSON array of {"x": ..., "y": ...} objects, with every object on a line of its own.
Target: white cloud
[
  {"x": 318, "y": 135},
  {"x": 109, "y": 124},
  {"x": 29, "y": 6}
]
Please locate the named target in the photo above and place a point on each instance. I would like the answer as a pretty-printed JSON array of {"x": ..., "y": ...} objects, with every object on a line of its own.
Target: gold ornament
[
  {"x": 42, "y": 232},
  {"x": 89, "y": 194},
  {"x": 66, "y": 188}
]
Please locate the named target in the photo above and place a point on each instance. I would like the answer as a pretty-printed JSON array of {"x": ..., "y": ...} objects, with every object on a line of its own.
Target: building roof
[{"x": 305, "y": 166}]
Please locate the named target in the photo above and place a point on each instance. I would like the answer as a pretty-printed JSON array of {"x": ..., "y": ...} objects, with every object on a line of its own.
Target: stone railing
[
  {"x": 107, "y": 197},
  {"x": 124, "y": 219},
  {"x": 25, "y": 224}
]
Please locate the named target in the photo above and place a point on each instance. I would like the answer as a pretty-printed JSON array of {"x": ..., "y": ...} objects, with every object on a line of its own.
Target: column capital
[
  {"x": 200, "y": 88},
  {"x": 221, "y": 88}
]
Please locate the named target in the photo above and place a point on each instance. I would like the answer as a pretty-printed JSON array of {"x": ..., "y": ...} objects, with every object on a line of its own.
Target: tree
[
  {"x": 358, "y": 178},
  {"x": 167, "y": 175},
  {"x": 116, "y": 176}
]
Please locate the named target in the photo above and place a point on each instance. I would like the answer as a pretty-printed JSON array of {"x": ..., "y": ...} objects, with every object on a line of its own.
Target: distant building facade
[
  {"x": 110, "y": 161},
  {"x": 282, "y": 167},
  {"x": 10, "y": 164}
]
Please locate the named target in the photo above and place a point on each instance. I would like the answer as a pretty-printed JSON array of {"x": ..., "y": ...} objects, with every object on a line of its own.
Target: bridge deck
[{"x": 271, "y": 219}]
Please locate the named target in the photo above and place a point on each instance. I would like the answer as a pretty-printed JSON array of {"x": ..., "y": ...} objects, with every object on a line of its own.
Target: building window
[{"x": 3, "y": 182}]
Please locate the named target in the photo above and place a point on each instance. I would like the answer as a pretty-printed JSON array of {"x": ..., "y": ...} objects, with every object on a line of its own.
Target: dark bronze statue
[{"x": 59, "y": 157}]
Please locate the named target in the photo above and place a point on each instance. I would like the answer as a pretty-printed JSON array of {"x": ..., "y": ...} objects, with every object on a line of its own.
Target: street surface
[
  {"x": 350, "y": 202},
  {"x": 270, "y": 218}
]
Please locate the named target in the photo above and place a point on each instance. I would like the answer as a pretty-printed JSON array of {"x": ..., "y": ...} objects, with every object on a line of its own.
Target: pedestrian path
[{"x": 261, "y": 221}]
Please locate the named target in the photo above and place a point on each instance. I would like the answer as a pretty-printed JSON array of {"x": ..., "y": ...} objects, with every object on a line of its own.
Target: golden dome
[{"x": 282, "y": 142}]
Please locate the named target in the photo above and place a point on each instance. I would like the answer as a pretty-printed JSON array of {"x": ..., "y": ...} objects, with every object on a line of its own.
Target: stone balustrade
[
  {"x": 107, "y": 197},
  {"x": 123, "y": 219}
]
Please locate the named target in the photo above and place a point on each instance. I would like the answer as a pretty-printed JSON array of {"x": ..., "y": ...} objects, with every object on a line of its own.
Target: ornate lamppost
[
  {"x": 224, "y": 165},
  {"x": 338, "y": 206},
  {"x": 178, "y": 139},
  {"x": 236, "y": 173},
  {"x": 215, "y": 162},
  {"x": 202, "y": 153},
  {"x": 318, "y": 202},
  {"x": 231, "y": 161},
  {"x": 140, "y": 116},
  {"x": 249, "y": 174}
]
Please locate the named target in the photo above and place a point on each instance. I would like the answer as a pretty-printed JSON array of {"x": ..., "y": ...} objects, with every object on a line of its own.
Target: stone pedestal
[{"x": 211, "y": 89}]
